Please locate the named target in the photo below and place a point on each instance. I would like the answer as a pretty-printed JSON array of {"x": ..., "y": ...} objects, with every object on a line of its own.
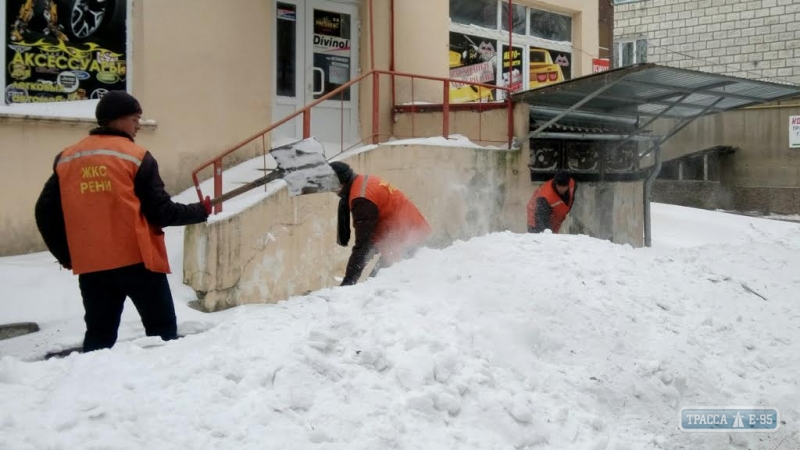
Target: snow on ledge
[
  {"x": 254, "y": 168},
  {"x": 454, "y": 140},
  {"x": 75, "y": 111}
]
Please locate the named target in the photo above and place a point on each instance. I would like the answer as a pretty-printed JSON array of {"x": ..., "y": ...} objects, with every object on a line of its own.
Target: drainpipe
[
  {"x": 510, "y": 47},
  {"x": 371, "y": 37},
  {"x": 648, "y": 185},
  {"x": 391, "y": 51}
]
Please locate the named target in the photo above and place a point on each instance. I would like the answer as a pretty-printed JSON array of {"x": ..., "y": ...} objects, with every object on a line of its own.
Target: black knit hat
[
  {"x": 116, "y": 104},
  {"x": 562, "y": 178},
  {"x": 343, "y": 171}
]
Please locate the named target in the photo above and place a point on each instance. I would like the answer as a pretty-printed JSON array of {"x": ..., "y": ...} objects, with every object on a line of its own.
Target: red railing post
[
  {"x": 341, "y": 122},
  {"x": 413, "y": 109},
  {"x": 510, "y": 121},
  {"x": 376, "y": 107},
  {"x": 306, "y": 123},
  {"x": 218, "y": 184},
  {"x": 480, "y": 113},
  {"x": 446, "y": 110}
]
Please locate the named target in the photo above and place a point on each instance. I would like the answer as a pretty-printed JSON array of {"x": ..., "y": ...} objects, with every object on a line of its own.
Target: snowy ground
[{"x": 502, "y": 342}]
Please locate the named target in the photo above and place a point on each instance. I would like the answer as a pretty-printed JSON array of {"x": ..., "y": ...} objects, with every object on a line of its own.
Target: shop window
[
  {"x": 60, "y": 51},
  {"x": 512, "y": 75},
  {"x": 482, "y": 13},
  {"x": 472, "y": 58},
  {"x": 479, "y": 48},
  {"x": 627, "y": 52},
  {"x": 286, "y": 46},
  {"x": 548, "y": 66},
  {"x": 517, "y": 18},
  {"x": 551, "y": 26}
]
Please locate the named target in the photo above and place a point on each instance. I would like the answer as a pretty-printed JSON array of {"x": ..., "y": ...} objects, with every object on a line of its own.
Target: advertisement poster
[
  {"x": 600, "y": 64},
  {"x": 331, "y": 52},
  {"x": 512, "y": 69},
  {"x": 474, "y": 59},
  {"x": 549, "y": 66},
  {"x": 60, "y": 50},
  {"x": 794, "y": 131}
]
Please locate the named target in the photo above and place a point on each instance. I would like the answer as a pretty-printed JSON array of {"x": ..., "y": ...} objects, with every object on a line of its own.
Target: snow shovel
[{"x": 301, "y": 165}]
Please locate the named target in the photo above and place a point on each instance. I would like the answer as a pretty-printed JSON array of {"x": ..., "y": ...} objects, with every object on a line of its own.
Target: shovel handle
[{"x": 275, "y": 175}]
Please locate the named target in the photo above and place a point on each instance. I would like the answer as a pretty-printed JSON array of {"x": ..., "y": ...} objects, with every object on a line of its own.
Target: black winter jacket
[{"x": 156, "y": 204}]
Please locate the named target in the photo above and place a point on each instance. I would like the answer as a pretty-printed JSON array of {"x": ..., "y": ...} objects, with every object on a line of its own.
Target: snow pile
[{"x": 502, "y": 342}]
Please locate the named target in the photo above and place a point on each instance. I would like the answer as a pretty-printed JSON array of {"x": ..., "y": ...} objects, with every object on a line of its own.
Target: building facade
[
  {"x": 210, "y": 73},
  {"x": 757, "y": 39}
]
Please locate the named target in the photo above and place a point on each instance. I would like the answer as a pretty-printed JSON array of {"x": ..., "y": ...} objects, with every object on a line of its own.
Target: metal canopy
[
  {"x": 656, "y": 91},
  {"x": 650, "y": 92}
]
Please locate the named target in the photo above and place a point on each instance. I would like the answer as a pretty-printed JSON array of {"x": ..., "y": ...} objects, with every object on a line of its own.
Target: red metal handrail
[{"x": 216, "y": 161}]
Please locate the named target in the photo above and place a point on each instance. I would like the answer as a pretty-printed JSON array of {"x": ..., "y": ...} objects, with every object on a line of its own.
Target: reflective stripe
[
  {"x": 120, "y": 155},
  {"x": 556, "y": 204},
  {"x": 364, "y": 186}
]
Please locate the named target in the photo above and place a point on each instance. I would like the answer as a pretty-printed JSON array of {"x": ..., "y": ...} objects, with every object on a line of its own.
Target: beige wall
[
  {"x": 203, "y": 71},
  {"x": 27, "y": 150},
  {"x": 764, "y": 158},
  {"x": 486, "y": 128}
]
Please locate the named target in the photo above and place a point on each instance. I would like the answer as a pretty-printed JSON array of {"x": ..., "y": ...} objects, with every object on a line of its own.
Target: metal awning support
[
  {"x": 648, "y": 123},
  {"x": 592, "y": 137},
  {"x": 681, "y": 125},
  {"x": 648, "y": 188}
]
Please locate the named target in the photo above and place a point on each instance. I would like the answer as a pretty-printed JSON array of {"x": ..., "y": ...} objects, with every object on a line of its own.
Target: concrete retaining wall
[
  {"x": 714, "y": 195},
  {"x": 285, "y": 246}
]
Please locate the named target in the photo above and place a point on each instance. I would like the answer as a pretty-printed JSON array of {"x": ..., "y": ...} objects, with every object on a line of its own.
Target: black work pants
[{"x": 104, "y": 296}]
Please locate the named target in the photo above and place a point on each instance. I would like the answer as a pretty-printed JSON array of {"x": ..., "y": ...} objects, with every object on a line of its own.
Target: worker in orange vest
[
  {"x": 550, "y": 204},
  {"x": 101, "y": 214},
  {"x": 385, "y": 221}
]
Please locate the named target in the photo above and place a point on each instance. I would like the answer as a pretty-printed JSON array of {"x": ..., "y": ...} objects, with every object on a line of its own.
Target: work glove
[{"x": 207, "y": 204}]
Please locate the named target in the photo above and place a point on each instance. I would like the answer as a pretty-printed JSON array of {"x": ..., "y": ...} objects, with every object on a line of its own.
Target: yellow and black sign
[{"x": 55, "y": 54}]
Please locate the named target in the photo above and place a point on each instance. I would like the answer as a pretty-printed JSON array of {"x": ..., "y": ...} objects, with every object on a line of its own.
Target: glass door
[{"x": 316, "y": 52}]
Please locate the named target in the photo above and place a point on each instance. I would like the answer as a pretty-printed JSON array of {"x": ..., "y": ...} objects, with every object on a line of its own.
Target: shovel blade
[{"x": 304, "y": 168}]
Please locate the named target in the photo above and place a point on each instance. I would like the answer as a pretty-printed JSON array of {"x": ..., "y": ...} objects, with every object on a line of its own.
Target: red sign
[{"x": 600, "y": 64}]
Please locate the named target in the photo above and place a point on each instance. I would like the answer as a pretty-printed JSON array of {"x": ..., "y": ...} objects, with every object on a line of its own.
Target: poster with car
[
  {"x": 64, "y": 50},
  {"x": 548, "y": 66},
  {"x": 511, "y": 74},
  {"x": 472, "y": 58},
  {"x": 331, "y": 52}
]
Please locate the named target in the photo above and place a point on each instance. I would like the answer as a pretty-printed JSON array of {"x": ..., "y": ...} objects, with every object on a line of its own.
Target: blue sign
[{"x": 730, "y": 418}]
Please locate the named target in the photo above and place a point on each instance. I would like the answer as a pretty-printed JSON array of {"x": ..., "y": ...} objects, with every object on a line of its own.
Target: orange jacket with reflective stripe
[
  {"x": 558, "y": 209},
  {"x": 102, "y": 214},
  {"x": 401, "y": 226}
]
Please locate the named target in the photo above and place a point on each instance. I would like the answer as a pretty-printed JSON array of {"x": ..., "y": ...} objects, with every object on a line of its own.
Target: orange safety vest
[
  {"x": 401, "y": 227},
  {"x": 105, "y": 226},
  {"x": 558, "y": 209}
]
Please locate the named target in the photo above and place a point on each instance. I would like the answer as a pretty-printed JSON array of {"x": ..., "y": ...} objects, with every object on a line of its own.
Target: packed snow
[{"x": 505, "y": 341}]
